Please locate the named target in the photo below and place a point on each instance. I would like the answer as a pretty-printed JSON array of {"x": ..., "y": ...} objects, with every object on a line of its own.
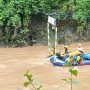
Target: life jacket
[
  {"x": 52, "y": 51},
  {"x": 77, "y": 59}
]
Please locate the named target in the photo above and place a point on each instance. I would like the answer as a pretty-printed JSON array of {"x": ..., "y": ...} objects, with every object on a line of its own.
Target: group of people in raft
[{"x": 68, "y": 56}]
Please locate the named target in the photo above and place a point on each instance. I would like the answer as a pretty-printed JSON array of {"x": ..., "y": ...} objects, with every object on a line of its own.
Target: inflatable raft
[{"x": 61, "y": 62}]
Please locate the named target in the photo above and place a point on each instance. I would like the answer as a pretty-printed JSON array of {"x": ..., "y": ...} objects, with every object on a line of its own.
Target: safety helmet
[
  {"x": 70, "y": 54},
  {"x": 79, "y": 44},
  {"x": 53, "y": 48},
  {"x": 65, "y": 46},
  {"x": 77, "y": 53}
]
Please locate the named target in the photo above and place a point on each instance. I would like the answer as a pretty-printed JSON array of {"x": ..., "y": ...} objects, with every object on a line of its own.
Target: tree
[{"x": 15, "y": 16}]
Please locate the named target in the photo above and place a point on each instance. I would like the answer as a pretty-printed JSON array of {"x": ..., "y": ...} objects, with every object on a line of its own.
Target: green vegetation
[
  {"x": 30, "y": 81},
  {"x": 16, "y": 17},
  {"x": 73, "y": 72}
]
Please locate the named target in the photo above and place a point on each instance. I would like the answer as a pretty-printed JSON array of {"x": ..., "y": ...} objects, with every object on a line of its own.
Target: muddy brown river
[{"x": 14, "y": 62}]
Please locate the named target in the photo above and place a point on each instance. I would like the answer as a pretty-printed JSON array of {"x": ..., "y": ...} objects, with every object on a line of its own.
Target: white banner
[{"x": 52, "y": 20}]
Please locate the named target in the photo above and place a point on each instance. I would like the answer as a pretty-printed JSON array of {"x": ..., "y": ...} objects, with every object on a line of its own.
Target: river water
[{"x": 14, "y": 62}]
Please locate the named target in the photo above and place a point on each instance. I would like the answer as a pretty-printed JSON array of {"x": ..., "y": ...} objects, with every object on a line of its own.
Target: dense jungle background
[{"x": 24, "y": 22}]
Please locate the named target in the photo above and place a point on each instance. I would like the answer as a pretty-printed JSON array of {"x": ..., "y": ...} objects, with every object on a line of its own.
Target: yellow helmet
[
  {"x": 70, "y": 54},
  {"x": 52, "y": 48},
  {"x": 77, "y": 53}
]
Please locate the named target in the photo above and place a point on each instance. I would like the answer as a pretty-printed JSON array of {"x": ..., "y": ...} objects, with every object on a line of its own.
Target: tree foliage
[
  {"x": 15, "y": 16},
  {"x": 30, "y": 81}
]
